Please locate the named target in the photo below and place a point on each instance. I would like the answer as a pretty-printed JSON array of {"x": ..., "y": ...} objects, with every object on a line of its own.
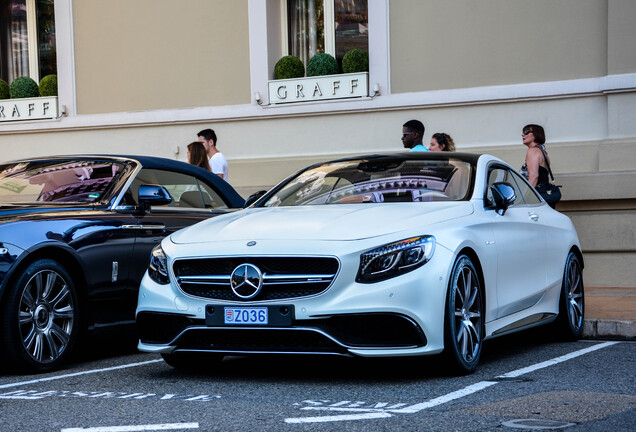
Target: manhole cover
[{"x": 537, "y": 424}]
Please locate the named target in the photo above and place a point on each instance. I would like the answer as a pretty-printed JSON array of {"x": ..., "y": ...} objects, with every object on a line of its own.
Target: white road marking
[
  {"x": 556, "y": 360},
  {"x": 58, "y": 377},
  {"x": 323, "y": 419},
  {"x": 155, "y": 427},
  {"x": 466, "y": 391},
  {"x": 38, "y": 394}
]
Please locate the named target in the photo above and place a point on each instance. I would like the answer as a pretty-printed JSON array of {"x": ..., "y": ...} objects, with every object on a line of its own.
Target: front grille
[{"x": 283, "y": 277}]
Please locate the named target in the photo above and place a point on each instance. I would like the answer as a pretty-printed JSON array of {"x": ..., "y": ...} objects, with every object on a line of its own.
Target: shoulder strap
[{"x": 545, "y": 158}]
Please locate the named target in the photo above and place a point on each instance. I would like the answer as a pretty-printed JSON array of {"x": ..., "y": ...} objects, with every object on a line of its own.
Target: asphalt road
[{"x": 579, "y": 386}]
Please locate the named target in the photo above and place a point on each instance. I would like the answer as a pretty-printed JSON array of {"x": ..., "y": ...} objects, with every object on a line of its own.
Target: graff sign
[
  {"x": 28, "y": 109},
  {"x": 319, "y": 88}
]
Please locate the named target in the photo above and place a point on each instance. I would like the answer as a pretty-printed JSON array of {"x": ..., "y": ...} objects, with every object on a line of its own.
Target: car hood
[
  {"x": 14, "y": 212},
  {"x": 337, "y": 222}
]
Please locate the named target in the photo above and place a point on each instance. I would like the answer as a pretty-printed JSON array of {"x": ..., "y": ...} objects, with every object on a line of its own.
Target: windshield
[
  {"x": 57, "y": 181},
  {"x": 381, "y": 181}
]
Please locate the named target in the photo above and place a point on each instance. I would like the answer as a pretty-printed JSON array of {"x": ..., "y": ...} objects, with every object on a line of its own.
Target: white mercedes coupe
[{"x": 402, "y": 254}]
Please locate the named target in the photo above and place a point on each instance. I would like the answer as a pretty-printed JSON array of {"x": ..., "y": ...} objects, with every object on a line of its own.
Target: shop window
[
  {"x": 331, "y": 26},
  {"x": 27, "y": 39}
]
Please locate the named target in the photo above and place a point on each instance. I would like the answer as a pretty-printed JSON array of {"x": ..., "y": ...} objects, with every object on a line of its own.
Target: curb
[{"x": 609, "y": 329}]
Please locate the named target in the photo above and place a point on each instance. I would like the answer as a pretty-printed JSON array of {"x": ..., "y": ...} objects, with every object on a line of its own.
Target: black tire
[
  {"x": 464, "y": 317},
  {"x": 191, "y": 361},
  {"x": 40, "y": 318},
  {"x": 569, "y": 323}
]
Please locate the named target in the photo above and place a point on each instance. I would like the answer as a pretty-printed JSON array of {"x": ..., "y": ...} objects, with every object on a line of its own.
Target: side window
[
  {"x": 186, "y": 191},
  {"x": 528, "y": 193},
  {"x": 497, "y": 175}
]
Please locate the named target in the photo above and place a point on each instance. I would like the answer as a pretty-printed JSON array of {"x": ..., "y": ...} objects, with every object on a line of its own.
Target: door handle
[
  {"x": 533, "y": 216},
  {"x": 144, "y": 227}
]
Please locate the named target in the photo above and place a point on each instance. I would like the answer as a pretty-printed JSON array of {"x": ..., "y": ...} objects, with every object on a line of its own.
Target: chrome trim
[
  {"x": 204, "y": 279},
  {"x": 144, "y": 227},
  {"x": 271, "y": 280},
  {"x": 527, "y": 322},
  {"x": 173, "y": 277},
  {"x": 315, "y": 330},
  {"x": 128, "y": 183},
  {"x": 301, "y": 278},
  {"x": 265, "y": 352}
]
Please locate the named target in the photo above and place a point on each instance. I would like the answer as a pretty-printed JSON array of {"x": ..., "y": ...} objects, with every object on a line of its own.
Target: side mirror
[
  {"x": 504, "y": 195},
  {"x": 150, "y": 195},
  {"x": 253, "y": 198}
]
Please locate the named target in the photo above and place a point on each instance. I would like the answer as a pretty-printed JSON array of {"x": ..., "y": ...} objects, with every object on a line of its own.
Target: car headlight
[
  {"x": 158, "y": 268},
  {"x": 395, "y": 259}
]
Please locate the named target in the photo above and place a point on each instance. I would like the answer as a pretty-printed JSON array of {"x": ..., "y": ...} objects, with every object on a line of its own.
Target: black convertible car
[{"x": 76, "y": 234}]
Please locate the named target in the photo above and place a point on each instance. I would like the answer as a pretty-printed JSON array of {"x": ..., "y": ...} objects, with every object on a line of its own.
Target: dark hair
[
  {"x": 539, "y": 133},
  {"x": 415, "y": 126},
  {"x": 198, "y": 155},
  {"x": 208, "y": 134},
  {"x": 444, "y": 140}
]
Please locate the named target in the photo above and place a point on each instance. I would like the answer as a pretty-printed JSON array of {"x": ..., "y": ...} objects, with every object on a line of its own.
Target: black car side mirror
[
  {"x": 150, "y": 195},
  {"x": 504, "y": 195},
  {"x": 253, "y": 198}
]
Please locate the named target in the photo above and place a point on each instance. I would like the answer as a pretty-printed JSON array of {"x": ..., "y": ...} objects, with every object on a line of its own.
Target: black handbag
[{"x": 550, "y": 192}]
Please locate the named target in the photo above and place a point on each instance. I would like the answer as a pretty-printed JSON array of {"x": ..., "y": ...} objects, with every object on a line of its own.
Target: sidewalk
[{"x": 610, "y": 313}]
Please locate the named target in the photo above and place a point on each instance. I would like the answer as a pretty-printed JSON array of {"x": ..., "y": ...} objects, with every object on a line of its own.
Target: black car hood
[{"x": 13, "y": 212}]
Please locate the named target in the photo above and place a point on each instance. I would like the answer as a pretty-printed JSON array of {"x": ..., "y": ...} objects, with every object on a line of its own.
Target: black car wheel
[
  {"x": 463, "y": 325},
  {"x": 40, "y": 317},
  {"x": 571, "y": 303}
]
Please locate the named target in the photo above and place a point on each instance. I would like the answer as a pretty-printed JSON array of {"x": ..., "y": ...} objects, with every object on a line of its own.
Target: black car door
[{"x": 192, "y": 201}]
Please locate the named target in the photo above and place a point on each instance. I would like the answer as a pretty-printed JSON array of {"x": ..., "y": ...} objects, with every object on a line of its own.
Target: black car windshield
[
  {"x": 57, "y": 181},
  {"x": 376, "y": 181}
]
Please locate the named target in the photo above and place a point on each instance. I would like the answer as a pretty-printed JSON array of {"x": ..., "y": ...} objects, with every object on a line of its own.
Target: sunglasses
[{"x": 527, "y": 131}]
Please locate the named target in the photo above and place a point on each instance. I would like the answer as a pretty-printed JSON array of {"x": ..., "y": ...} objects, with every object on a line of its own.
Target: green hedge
[
  {"x": 322, "y": 64},
  {"x": 48, "y": 86},
  {"x": 289, "y": 67},
  {"x": 4, "y": 90},
  {"x": 23, "y": 87},
  {"x": 356, "y": 60}
]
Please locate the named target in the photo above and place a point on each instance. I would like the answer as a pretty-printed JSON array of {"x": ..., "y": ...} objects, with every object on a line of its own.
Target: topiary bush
[
  {"x": 289, "y": 67},
  {"x": 356, "y": 60},
  {"x": 48, "y": 86},
  {"x": 4, "y": 90},
  {"x": 23, "y": 87},
  {"x": 322, "y": 64}
]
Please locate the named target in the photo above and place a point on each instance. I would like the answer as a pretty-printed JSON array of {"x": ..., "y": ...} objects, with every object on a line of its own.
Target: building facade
[{"x": 144, "y": 76}]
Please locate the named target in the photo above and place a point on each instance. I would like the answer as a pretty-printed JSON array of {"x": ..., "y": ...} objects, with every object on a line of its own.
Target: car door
[
  {"x": 520, "y": 241},
  {"x": 193, "y": 200}
]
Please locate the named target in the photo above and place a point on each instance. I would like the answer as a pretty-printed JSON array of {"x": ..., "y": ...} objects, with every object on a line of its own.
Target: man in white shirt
[{"x": 218, "y": 163}]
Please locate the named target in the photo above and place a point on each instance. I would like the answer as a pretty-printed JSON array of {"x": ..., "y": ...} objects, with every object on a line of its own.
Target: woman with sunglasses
[{"x": 535, "y": 167}]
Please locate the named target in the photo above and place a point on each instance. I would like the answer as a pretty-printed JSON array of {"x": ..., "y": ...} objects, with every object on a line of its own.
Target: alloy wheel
[
  {"x": 467, "y": 313},
  {"x": 46, "y": 315},
  {"x": 574, "y": 293}
]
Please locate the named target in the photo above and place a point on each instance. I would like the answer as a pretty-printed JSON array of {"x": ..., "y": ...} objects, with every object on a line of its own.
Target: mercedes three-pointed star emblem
[{"x": 246, "y": 281}]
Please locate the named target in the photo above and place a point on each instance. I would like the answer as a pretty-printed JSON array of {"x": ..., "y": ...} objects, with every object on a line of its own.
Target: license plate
[{"x": 247, "y": 316}]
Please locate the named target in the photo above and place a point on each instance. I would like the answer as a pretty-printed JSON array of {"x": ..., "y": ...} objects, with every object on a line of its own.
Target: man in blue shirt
[{"x": 412, "y": 135}]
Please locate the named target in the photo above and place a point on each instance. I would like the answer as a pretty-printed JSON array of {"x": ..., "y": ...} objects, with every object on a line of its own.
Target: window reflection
[
  {"x": 352, "y": 26},
  {"x": 309, "y": 34},
  {"x": 14, "y": 39}
]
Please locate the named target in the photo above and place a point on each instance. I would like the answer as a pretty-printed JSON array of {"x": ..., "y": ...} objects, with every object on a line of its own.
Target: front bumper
[{"x": 400, "y": 316}]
